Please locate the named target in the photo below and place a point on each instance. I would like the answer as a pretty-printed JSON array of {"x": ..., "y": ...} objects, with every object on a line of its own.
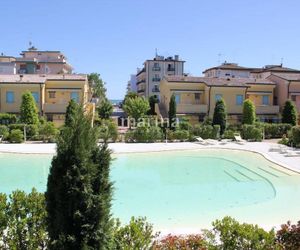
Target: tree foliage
[
  {"x": 130, "y": 95},
  {"x": 105, "y": 109},
  {"x": 47, "y": 131},
  {"x": 152, "y": 101},
  {"x": 79, "y": 191},
  {"x": 289, "y": 113},
  {"x": 28, "y": 109},
  {"x": 97, "y": 85},
  {"x": 136, "y": 107},
  {"x": 71, "y": 112},
  {"x": 249, "y": 113},
  {"x": 172, "y": 112},
  {"x": 220, "y": 115}
]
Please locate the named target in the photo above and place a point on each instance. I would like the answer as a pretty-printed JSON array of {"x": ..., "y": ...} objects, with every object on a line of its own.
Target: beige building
[
  {"x": 52, "y": 93},
  {"x": 196, "y": 96},
  {"x": 148, "y": 78}
]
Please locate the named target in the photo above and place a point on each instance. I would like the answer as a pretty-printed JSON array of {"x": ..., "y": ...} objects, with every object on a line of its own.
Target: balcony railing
[
  {"x": 267, "y": 109},
  {"x": 156, "y": 68},
  {"x": 141, "y": 81},
  {"x": 155, "y": 89},
  {"x": 141, "y": 91},
  {"x": 192, "y": 108},
  {"x": 171, "y": 69},
  {"x": 156, "y": 79}
]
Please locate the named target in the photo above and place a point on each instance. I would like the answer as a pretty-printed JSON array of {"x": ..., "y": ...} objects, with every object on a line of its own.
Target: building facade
[
  {"x": 52, "y": 93},
  {"x": 196, "y": 96},
  {"x": 7, "y": 65},
  {"x": 153, "y": 71}
]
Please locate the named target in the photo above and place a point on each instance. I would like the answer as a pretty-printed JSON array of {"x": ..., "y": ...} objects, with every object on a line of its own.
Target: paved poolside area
[{"x": 118, "y": 148}]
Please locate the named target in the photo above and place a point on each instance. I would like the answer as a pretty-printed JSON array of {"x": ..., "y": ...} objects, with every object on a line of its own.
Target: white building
[{"x": 7, "y": 65}]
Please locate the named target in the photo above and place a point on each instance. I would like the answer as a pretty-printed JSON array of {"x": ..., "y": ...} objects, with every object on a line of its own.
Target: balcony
[
  {"x": 141, "y": 91},
  {"x": 55, "y": 107},
  {"x": 265, "y": 109},
  {"x": 171, "y": 68},
  {"x": 156, "y": 79},
  {"x": 141, "y": 81},
  {"x": 192, "y": 108},
  {"x": 155, "y": 89},
  {"x": 156, "y": 68}
]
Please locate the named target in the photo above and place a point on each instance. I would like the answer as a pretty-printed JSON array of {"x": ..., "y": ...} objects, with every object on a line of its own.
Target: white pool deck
[{"x": 292, "y": 162}]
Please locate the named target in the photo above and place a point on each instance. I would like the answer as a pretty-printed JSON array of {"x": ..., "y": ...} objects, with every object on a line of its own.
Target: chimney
[{"x": 176, "y": 57}]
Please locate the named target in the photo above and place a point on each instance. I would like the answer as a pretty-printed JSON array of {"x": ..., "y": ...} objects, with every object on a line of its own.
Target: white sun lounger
[
  {"x": 1, "y": 138},
  {"x": 239, "y": 139},
  {"x": 204, "y": 142},
  {"x": 291, "y": 153}
]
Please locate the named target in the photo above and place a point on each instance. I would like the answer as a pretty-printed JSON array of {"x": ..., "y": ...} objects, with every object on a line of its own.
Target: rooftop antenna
[
  {"x": 281, "y": 61},
  {"x": 155, "y": 52},
  {"x": 219, "y": 58}
]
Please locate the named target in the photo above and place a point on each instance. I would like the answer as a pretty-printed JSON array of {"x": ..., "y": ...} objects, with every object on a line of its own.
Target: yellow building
[
  {"x": 52, "y": 93},
  {"x": 196, "y": 96}
]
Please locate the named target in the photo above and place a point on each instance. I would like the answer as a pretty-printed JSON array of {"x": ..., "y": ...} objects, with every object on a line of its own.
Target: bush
[
  {"x": 138, "y": 234},
  {"x": 273, "y": 130},
  {"x": 31, "y": 130},
  {"x": 181, "y": 135},
  {"x": 108, "y": 130},
  {"x": 191, "y": 241},
  {"x": 289, "y": 113},
  {"x": 232, "y": 235},
  {"x": 16, "y": 136},
  {"x": 4, "y": 131},
  {"x": 229, "y": 134},
  {"x": 249, "y": 115},
  {"x": 294, "y": 136},
  {"x": 288, "y": 237},
  {"x": 6, "y": 119},
  {"x": 251, "y": 132},
  {"x": 206, "y": 131},
  {"x": 47, "y": 132},
  {"x": 144, "y": 134}
]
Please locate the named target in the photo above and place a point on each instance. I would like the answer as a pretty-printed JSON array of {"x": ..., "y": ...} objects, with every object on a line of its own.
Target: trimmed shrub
[
  {"x": 4, "y": 131},
  {"x": 181, "y": 135},
  {"x": 295, "y": 136},
  {"x": 47, "y": 132},
  {"x": 16, "y": 136},
  {"x": 289, "y": 113},
  {"x": 229, "y": 134},
  {"x": 273, "y": 130},
  {"x": 144, "y": 134},
  {"x": 220, "y": 115},
  {"x": 108, "y": 130},
  {"x": 249, "y": 115},
  {"x": 251, "y": 132},
  {"x": 6, "y": 119},
  {"x": 154, "y": 134},
  {"x": 31, "y": 129},
  {"x": 206, "y": 131}
]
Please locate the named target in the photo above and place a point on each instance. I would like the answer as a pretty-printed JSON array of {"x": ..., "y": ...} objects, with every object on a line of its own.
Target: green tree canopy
[
  {"x": 28, "y": 109},
  {"x": 289, "y": 113},
  {"x": 136, "y": 107},
  {"x": 172, "y": 112},
  {"x": 249, "y": 113},
  {"x": 105, "y": 109},
  {"x": 220, "y": 115},
  {"x": 130, "y": 95},
  {"x": 97, "y": 85},
  {"x": 79, "y": 191},
  {"x": 152, "y": 101},
  {"x": 71, "y": 112}
]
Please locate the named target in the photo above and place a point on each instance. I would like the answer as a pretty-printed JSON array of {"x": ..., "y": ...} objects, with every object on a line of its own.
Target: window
[
  {"x": 293, "y": 97},
  {"x": 36, "y": 96},
  {"x": 52, "y": 94},
  {"x": 10, "y": 97},
  {"x": 239, "y": 100},
  {"x": 177, "y": 98},
  {"x": 75, "y": 96},
  {"x": 197, "y": 98},
  {"x": 218, "y": 97},
  {"x": 265, "y": 100},
  {"x": 38, "y": 67}
]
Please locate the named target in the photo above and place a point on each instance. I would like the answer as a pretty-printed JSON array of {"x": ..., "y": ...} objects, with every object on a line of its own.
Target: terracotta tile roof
[
  {"x": 232, "y": 66},
  {"x": 216, "y": 81},
  {"x": 276, "y": 68},
  {"x": 288, "y": 77},
  {"x": 34, "y": 78}
]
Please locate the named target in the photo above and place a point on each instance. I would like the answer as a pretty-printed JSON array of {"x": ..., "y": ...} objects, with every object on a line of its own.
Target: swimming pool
[{"x": 182, "y": 190}]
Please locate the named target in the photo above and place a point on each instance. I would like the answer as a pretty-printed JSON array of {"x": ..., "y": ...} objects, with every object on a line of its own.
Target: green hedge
[
  {"x": 144, "y": 134},
  {"x": 178, "y": 135},
  {"x": 206, "y": 131},
  {"x": 4, "y": 131},
  {"x": 273, "y": 130},
  {"x": 16, "y": 136},
  {"x": 252, "y": 132},
  {"x": 6, "y": 119},
  {"x": 31, "y": 130},
  {"x": 294, "y": 136}
]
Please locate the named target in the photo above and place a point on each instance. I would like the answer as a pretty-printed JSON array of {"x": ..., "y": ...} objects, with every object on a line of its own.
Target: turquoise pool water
[{"x": 182, "y": 190}]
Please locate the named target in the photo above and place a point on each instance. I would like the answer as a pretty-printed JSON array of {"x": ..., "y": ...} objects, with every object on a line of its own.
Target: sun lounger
[
  {"x": 239, "y": 139},
  {"x": 291, "y": 153},
  {"x": 204, "y": 142},
  {"x": 1, "y": 138}
]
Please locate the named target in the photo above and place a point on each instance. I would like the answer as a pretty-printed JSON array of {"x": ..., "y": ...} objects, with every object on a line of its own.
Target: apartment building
[
  {"x": 7, "y": 65},
  {"x": 196, "y": 96},
  {"x": 149, "y": 77},
  {"x": 52, "y": 93}
]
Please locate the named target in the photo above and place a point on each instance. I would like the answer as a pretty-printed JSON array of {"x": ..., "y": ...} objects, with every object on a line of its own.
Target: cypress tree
[
  {"x": 152, "y": 101},
  {"x": 289, "y": 113},
  {"x": 220, "y": 115},
  {"x": 79, "y": 192},
  {"x": 249, "y": 113},
  {"x": 28, "y": 109},
  {"x": 172, "y": 112},
  {"x": 70, "y": 112}
]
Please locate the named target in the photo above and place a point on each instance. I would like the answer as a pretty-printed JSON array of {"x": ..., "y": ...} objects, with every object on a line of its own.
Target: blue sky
[{"x": 114, "y": 37}]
